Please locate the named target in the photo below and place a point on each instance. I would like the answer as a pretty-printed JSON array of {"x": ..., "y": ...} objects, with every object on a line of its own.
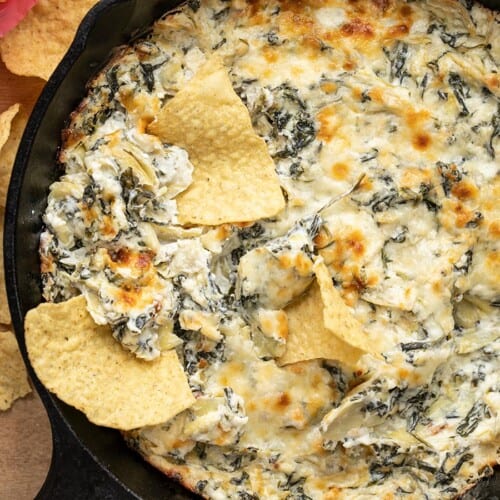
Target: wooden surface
[
  {"x": 18, "y": 89},
  {"x": 25, "y": 449},
  {"x": 25, "y": 437}
]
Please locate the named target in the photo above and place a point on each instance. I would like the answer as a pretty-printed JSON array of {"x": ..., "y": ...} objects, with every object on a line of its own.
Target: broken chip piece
[
  {"x": 234, "y": 173},
  {"x": 308, "y": 336},
  {"x": 320, "y": 325},
  {"x": 85, "y": 367},
  {"x": 337, "y": 316},
  {"x": 13, "y": 378}
]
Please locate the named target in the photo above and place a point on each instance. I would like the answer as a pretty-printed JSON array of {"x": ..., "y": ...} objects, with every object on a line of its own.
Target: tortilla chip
[
  {"x": 5, "y": 120},
  {"x": 337, "y": 316},
  {"x": 13, "y": 377},
  {"x": 9, "y": 150},
  {"x": 4, "y": 305},
  {"x": 12, "y": 123},
  {"x": 37, "y": 44},
  {"x": 234, "y": 178},
  {"x": 308, "y": 337},
  {"x": 85, "y": 367}
]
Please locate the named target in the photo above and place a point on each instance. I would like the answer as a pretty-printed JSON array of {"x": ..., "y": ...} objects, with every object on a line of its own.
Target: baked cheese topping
[{"x": 383, "y": 121}]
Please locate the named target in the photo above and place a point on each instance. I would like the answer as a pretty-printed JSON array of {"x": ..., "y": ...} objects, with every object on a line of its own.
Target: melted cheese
[{"x": 398, "y": 99}]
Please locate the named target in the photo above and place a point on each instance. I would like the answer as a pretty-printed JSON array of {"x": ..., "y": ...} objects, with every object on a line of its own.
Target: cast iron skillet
[{"x": 88, "y": 461}]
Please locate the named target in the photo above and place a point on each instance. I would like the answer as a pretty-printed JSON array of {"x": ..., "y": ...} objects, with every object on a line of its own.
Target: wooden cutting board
[
  {"x": 25, "y": 449},
  {"x": 25, "y": 436}
]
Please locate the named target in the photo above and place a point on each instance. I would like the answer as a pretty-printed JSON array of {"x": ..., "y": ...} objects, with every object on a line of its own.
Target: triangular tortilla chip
[
  {"x": 87, "y": 368},
  {"x": 234, "y": 178},
  {"x": 308, "y": 338},
  {"x": 337, "y": 316},
  {"x": 13, "y": 377},
  {"x": 5, "y": 120},
  {"x": 37, "y": 44}
]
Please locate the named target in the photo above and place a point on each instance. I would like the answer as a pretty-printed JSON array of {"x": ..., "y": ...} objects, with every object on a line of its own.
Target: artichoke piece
[{"x": 272, "y": 275}]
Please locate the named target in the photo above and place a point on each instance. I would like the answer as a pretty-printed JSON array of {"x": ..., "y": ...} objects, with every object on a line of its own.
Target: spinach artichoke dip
[{"x": 300, "y": 199}]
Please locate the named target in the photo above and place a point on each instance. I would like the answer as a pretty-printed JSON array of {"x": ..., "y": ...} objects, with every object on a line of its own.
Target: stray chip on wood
[
  {"x": 8, "y": 150},
  {"x": 234, "y": 178},
  {"x": 5, "y": 120},
  {"x": 308, "y": 337},
  {"x": 12, "y": 123},
  {"x": 38, "y": 43},
  {"x": 4, "y": 305},
  {"x": 85, "y": 367},
  {"x": 13, "y": 377}
]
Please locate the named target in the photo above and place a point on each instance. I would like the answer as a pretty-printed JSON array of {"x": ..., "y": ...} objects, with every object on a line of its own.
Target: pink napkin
[{"x": 11, "y": 12}]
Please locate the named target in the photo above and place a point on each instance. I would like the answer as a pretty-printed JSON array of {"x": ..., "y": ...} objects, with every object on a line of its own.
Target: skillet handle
[{"x": 73, "y": 473}]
